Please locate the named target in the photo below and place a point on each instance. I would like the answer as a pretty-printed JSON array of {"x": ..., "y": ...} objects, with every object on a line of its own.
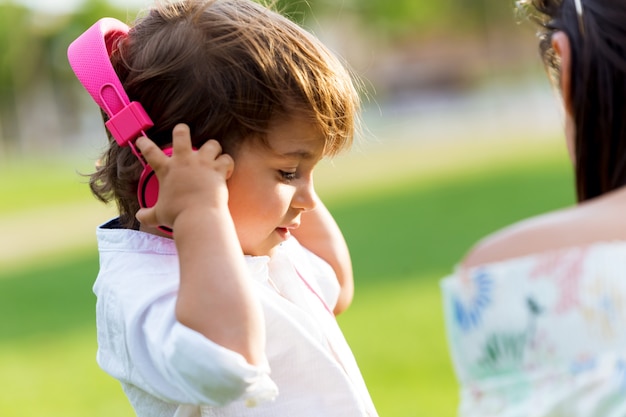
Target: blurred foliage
[
  {"x": 20, "y": 48},
  {"x": 401, "y": 18},
  {"x": 34, "y": 45},
  {"x": 34, "y": 53},
  {"x": 19, "y": 59}
]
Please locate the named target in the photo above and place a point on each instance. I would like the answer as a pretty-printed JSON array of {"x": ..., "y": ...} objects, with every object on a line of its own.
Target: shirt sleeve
[{"x": 142, "y": 343}]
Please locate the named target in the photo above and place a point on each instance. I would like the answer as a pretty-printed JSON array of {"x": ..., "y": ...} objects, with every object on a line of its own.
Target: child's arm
[
  {"x": 193, "y": 200},
  {"x": 320, "y": 234}
]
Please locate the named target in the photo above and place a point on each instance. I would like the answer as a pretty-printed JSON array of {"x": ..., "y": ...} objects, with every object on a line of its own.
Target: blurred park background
[{"x": 462, "y": 135}]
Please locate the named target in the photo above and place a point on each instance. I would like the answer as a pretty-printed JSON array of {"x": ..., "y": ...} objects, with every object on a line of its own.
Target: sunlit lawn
[
  {"x": 31, "y": 183},
  {"x": 408, "y": 215}
]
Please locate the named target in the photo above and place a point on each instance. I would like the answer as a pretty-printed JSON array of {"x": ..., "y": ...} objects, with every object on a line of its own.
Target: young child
[{"x": 230, "y": 315}]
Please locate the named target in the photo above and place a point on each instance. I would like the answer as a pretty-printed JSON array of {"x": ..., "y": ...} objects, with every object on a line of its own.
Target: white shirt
[{"x": 167, "y": 369}]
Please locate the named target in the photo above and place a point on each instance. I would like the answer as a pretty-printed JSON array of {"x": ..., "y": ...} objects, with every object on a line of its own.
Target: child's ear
[{"x": 561, "y": 46}]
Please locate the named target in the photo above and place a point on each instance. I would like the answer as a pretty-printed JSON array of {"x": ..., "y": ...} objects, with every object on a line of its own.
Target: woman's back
[
  {"x": 542, "y": 334},
  {"x": 598, "y": 220}
]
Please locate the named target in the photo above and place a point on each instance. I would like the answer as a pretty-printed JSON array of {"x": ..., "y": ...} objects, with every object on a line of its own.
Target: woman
[{"x": 535, "y": 313}]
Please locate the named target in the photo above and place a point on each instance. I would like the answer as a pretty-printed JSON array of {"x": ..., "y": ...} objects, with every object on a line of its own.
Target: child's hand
[
  {"x": 189, "y": 181},
  {"x": 193, "y": 201}
]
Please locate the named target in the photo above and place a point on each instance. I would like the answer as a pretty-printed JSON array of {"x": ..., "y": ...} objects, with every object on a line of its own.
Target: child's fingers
[
  {"x": 147, "y": 217},
  {"x": 181, "y": 138},
  {"x": 226, "y": 164},
  {"x": 150, "y": 151},
  {"x": 213, "y": 150}
]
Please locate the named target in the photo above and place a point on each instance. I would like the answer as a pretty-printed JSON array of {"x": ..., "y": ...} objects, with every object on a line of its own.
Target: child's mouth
[{"x": 283, "y": 232}]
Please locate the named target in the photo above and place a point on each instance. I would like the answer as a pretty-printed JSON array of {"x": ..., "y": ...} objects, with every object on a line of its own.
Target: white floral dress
[{"x": 542, "y": 335}]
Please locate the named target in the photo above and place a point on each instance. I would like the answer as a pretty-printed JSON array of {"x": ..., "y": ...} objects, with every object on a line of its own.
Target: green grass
[
  {"x": 407, "y": 219},
  {"x": 47, "y": 343},
  {"x": 29, "y": 184},
  {"x": 397, "y": 335},
  {"x": 419, "y": 228},
  {"x": 56, "y": 376}
]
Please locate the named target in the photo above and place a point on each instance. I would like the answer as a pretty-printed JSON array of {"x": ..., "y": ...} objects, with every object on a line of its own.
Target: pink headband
[{"x": 89, "y": 57}]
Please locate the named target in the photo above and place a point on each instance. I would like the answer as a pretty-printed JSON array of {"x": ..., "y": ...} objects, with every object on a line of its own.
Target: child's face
[{"x": 271, "y": 186}]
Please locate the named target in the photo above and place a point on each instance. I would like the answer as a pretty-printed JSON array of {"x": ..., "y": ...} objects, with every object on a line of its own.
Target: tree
[
  {"x": 20, "y": 52},
  {"x": 33, "y": 54}
]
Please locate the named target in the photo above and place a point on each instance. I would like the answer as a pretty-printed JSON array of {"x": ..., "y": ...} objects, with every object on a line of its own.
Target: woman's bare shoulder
[{"x": 601, "y": 219}]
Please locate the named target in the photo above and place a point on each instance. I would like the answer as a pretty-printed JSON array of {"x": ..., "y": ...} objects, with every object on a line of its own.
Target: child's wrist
[{"x": 195, "y": 217}]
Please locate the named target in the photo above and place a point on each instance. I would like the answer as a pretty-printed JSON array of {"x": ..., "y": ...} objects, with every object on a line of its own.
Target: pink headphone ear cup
[{"x": 148, "y": 189}]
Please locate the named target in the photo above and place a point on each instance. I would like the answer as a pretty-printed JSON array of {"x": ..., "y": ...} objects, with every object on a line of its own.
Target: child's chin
[{"x": 266, "y": 250}]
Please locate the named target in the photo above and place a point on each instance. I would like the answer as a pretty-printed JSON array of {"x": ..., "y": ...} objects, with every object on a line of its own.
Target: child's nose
[{"x": 305, "y": 197}]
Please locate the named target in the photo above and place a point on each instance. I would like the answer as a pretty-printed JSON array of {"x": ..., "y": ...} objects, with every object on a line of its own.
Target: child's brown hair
[{"x": 227, "y": 68}]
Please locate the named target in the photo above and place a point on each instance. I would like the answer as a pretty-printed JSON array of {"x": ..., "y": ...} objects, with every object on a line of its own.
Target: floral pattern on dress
[
  {"x": 476, "y": 296},
  {"x": 542, "y": 335},
  {"x": 606, "y": 307},
  {"x": 504, "y": 351},
  {"x": 565, "y": 268}
]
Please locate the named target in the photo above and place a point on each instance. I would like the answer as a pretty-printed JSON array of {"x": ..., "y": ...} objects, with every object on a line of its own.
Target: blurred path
[
  {"x": 49, "y": 232},
  {"x": 528, "y": 109}
]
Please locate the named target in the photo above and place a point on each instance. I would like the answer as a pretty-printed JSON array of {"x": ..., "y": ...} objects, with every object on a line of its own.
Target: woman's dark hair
[
  {"x": 598, "y": 84},
  {"x": 227, "y": 68}
]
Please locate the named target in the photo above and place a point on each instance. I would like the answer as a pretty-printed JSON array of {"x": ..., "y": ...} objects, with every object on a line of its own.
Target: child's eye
[{"x": 287, "y": 176}]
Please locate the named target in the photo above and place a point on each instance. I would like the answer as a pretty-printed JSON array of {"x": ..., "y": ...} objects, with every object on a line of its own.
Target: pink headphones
[{"x": 89, "y": 57}]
